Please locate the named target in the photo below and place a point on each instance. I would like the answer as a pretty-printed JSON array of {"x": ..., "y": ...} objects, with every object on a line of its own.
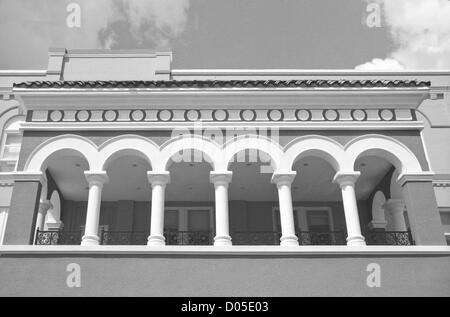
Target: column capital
[
  {"x": 285, "y": 178},
  {"x": 24, "y": 176},
  {"x": 96, "y": 177},
  {"x": 394, "y": 206},
  {"x": 415, "y": 177},
  {"x": 346, "y": 178},
  {"x": 158, "y": 178},
  {"x": 218, "y": 178},
  {"x": 45, "y": 205}
]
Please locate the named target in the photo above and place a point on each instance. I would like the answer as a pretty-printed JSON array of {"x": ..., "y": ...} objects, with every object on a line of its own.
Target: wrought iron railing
[
  {"x": 57, "y": 237},
  {"x": 321, "y": 237},
  {"x": 239, "y": 238},
  {"x": 188, "y": 237},
  {"x": 389, "y": 238},
  {"x": 256, "y": 238},
  {"x": 123, "y": 238}
]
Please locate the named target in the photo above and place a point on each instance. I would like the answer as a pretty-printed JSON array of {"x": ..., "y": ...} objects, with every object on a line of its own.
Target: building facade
[{"x": 254, "y": 182}]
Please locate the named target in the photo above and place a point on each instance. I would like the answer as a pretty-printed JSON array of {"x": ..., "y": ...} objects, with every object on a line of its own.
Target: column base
[
  {"x": 287, "y": 241},
  {"x": 156, "y": 241},
  {"x": 222, "y": 241},
  {"x": 90, "y": 240},
  {"x": 356, "y": 241}
]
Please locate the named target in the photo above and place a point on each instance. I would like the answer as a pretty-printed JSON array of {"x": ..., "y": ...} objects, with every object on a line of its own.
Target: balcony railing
[
  {"x": 256, "y": 238},
  {"x": 123, "y": 238},
  {"x": 188, "y": 237},
  {"x": 239, "y": 238},
  {"x": 389, "y": 238},
  {"x": 321, "y": 237},
  {"x": 58, "y": 237}
]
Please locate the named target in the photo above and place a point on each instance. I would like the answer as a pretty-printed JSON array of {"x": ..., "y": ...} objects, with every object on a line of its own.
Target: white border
[{"x": 231, "y": 250}]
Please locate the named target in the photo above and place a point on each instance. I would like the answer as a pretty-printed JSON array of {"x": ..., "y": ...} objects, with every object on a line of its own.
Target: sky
[{"x": 300, "y": 34}]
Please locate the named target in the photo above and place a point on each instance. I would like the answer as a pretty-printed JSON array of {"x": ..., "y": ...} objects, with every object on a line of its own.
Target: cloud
[
  {"x": 378, "y": 64},
  {"x": 155, "y": 22},
  {"x": 420, "y": 30},
  {"x": 28, "y": 27}
]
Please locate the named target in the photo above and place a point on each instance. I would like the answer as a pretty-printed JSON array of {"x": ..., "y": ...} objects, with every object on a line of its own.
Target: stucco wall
[{"x": 225, "y": 275}]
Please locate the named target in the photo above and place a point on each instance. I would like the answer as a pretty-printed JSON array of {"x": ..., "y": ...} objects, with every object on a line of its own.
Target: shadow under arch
[
  {"x": 316, "y": 146},
  {"x": 65, "y": 145},
  {"x": 393, "y": 151},
  {"x": 258, "y": 144},
  {"x": 128, "y": 145},
  {"x": 171, "y": 151}
]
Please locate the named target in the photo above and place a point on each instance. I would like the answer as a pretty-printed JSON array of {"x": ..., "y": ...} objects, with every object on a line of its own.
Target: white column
[
  {"x": 283, "y": 182},
  {"x": 396, "y": 208},
  {"x": 221, "y": 181},
  {"x": 159, "y": 182},
  {"x": 96, "y": 181},
  {"x": 44, "y": 206},
  {"x": 347, "y": 183}
]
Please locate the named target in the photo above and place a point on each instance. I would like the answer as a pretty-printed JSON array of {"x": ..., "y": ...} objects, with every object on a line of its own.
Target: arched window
[{"x": 10, "y": 145}]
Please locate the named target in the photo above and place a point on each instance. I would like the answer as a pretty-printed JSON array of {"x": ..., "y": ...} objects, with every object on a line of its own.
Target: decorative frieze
[{"x": 218, "y": 115}]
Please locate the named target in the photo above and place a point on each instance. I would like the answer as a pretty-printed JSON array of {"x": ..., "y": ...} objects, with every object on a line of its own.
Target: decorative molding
[
  {"x": 22, "y": 177},
  {"x": 221, "y": 115},
  {"x": 416, "y": 177},
  {"x": 163, "y": 125}
]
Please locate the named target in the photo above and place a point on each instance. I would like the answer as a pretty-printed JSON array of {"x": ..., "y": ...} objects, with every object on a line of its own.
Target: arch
[
  {"x": 53, "y": 216},
  {"x": 127, "y": 145},
  {"x": 378, "y": 202},
  {"x": 207, "y": 147},
  {"x": 395, "y": 188},
  {"x": 385, "y": 147},
  {"x": 319, "y": 146},
  {"x": 73, "y": 144},
  {"x": 255, "y": 142}
]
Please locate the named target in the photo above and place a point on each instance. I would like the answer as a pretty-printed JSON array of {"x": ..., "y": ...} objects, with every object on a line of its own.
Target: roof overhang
[{"x": 231, "y": 97}]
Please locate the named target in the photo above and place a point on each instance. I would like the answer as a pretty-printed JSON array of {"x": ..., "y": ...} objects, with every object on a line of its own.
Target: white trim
[
  {"x": 23, "y": 72},
  {"x": 153, "y": 125},
  {"x": 137, "y": 53},
  {"x": 4, "y": 212},
  {"x": 229, "y": 250},
  {"x": 34, "y": 176},
  {"x": 304, "y": 72}
]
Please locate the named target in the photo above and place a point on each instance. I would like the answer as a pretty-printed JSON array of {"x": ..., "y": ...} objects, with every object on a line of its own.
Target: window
[
  {"x": 10, "y": 147},
  {"x": 445, "y": 216},
  {"x": 101, "y": 228},
  {"x": 318, "y": 220},
  {"x": 171, "y": 220},
  {"x": 188, "y": 219},
  {"x": 307, "y": 219}
]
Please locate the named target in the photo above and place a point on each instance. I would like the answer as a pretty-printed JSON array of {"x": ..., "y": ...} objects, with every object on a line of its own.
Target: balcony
[
  {"x": 389, "y": 238},
  {"x": 239, "y": 238},
  {"x": 58, "y": 237}
]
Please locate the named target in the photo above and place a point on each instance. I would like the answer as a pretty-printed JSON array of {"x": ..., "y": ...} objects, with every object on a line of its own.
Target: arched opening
[
  {"x": 383, "y": 213},
  {"x": 189, "y": 213},
  {"x": 10, "y": 144},
  {"x": 67, "y": 190},
  {"x": 125, "y": 207},
  {"x": 252, "y": 199},
  {"x": 378, "y": 221},
  {"x": 53, "y": 217},
  {"x": 317, "y": 201}
]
